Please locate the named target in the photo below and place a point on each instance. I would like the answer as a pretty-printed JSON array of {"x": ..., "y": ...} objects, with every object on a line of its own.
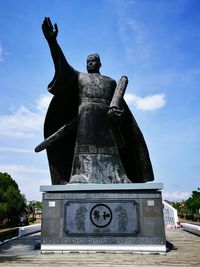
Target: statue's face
[{"x": 93, "y": 63}]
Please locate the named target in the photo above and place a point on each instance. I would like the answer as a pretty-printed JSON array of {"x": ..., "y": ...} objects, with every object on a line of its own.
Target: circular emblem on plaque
[{"x": 101, "y": 215}]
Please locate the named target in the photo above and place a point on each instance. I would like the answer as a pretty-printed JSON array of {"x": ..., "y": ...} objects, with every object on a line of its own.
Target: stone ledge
[{"x": 101, "y": 187}]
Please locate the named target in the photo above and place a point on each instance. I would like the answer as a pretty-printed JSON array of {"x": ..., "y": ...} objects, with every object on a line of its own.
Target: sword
[{"x": 55, "y": 136}]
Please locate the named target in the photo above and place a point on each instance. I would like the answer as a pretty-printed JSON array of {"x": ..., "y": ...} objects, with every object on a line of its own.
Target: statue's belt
[
  {"x": 92, "y": 149},
  {"x": 98, "y": 100}
]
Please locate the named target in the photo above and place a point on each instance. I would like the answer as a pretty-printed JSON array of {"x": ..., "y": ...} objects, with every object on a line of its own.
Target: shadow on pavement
[{"x": 20, "y": 246}]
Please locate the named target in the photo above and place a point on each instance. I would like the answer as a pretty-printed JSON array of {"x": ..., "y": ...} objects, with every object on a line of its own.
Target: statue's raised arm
[
  {"x": 62, "y": 109},
  {"x": 50, "y": 31},
  {"x": 64, "y": 73}
]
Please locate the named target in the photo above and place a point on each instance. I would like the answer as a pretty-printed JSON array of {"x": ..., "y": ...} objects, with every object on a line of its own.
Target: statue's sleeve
[
  {"x": 62, "y": 109},
  {"x": 65, "y": 75}
]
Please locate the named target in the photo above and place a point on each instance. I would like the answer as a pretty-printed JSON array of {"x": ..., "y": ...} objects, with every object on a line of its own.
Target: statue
[{"x": 90, "y": 134}]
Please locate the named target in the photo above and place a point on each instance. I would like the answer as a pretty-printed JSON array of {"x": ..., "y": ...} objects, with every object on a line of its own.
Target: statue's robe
[{"x": 64, "y": 108}]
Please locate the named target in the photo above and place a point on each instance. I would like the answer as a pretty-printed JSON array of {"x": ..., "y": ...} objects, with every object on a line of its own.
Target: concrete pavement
[{"x": 25, "y": 252}]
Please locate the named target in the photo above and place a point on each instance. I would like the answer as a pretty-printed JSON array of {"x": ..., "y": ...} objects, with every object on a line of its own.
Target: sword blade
[{"x": 55, "y": 136}]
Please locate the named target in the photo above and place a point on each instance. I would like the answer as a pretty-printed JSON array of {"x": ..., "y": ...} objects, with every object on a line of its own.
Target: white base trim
[
  {"x": 111, "y": 248},
  {"x": 30, "y": 229},
  {"x": 192, "y": 228}
]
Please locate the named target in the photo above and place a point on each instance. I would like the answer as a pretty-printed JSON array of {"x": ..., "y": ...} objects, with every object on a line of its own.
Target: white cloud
[
  {"x": 131, "y": 31},
  {"x": 14, "y": 149},
  {"x": 2, "y": 53},
  {"x": 24, "y": 123},
  {"x": 18, "y": 169},
  {"x": 176, "y": 196},
  {"x": 43, "y": 102},
  {"x": 130, "y": 98},
  {"x": 148, "y": 103},
  {"x": 28, "y": 178}
]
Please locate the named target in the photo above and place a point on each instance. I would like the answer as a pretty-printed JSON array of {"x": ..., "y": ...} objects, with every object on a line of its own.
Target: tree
[
  {"x": 192, "y": 204},
  {"x": 12, "y": 202},
  {"x": 34, "y": 206}
]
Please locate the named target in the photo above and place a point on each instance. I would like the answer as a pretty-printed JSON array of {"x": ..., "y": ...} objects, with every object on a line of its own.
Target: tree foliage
[
  {"x": 192, "y": 204},
  {"x": 33, "y": 206},
  {"x": 12, "y": 202},
  {"x": 190, "y": 208}
]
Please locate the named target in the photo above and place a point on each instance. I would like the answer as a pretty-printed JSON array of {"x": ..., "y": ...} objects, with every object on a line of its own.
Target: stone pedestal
[{"x": 103, "y": 217}]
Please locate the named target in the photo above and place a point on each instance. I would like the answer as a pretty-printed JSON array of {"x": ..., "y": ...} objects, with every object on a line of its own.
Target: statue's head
[{"x": 93, "y": 63}]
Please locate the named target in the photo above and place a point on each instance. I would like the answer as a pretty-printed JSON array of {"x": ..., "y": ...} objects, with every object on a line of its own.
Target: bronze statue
[{"x": 90, "y": 134}]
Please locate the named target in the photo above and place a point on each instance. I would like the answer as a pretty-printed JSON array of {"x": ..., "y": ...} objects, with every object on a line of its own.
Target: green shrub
[{"x": 189, "y": 217}]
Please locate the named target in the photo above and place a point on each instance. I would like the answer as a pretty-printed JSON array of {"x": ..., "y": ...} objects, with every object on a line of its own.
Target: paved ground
[{"x": 25, "y": 252}]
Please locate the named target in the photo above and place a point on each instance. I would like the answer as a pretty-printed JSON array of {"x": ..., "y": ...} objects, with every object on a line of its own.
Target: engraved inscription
[
  {"x": 105, "y": 241},
  {"x": 122, "y": 217},
  {"x": 103, "y": 218},
  {"x": 101, "y": 215},
  {"x": 80, "y": 217},
  {"x": 70, "y": 196}
]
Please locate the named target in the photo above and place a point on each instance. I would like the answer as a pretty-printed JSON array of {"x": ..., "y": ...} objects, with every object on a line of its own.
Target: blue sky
[{"x": 155, "y": 43}]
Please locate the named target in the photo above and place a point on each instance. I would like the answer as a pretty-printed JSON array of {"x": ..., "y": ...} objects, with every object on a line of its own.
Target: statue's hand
[
  {"x": 50, "y": 31},
  {"x": 115, "y": 115}
]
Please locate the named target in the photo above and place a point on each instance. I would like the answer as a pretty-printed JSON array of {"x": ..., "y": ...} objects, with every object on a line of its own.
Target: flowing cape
[
  {"x": 62, "y": 109},
  {"x": 134, "y": 154}
]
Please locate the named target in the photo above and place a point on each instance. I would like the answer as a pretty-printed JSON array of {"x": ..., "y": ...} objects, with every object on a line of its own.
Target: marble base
[{"x": 103, "y": 217}]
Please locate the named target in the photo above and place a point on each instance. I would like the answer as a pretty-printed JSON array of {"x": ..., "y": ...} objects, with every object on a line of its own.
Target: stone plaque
[{"x": 119, "y": 217}]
